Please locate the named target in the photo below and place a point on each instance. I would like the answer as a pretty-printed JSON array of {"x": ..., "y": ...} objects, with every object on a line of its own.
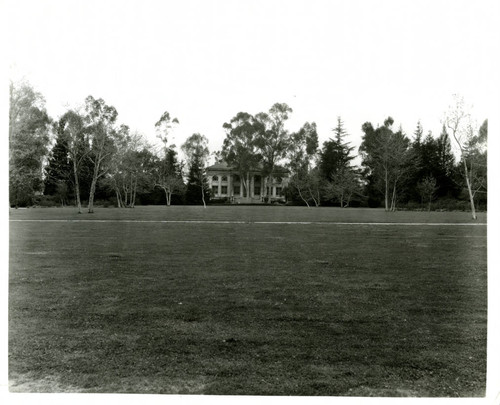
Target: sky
[{"x": 205, "y": 61}]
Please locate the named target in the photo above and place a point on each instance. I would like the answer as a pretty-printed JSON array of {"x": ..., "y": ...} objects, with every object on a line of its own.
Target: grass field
[{"x": 335, "y": 305}]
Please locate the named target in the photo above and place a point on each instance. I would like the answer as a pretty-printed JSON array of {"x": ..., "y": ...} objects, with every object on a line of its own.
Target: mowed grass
[{"x": 247, "y": 308}]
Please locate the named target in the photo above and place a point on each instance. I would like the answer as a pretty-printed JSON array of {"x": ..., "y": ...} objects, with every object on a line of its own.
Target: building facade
[{"x": 225, "y": 183}]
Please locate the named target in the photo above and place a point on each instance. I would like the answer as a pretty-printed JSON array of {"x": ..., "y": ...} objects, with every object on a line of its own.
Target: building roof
[
  {"x": 224, "y": 167},
  {"x": 220, "y": 166}
]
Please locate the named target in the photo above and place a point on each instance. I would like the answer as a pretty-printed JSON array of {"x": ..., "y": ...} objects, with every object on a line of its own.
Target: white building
[{"x": 225, "y": 183}]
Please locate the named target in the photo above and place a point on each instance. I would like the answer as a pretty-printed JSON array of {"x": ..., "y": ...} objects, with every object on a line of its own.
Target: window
[
  {"x": 236, "y": 190},
  {"x": 223, "y": 190},
  {"x": 224, "y": 178},
  {"x": 215, "y": 178},
  {"x": 256, "y": 190},
  {"x": 215, "y": 190},
  {"x": 278, "y": 191}
]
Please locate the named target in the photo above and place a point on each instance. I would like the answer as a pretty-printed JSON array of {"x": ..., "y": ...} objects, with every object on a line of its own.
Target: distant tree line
[{"x": 84, "y": 156}]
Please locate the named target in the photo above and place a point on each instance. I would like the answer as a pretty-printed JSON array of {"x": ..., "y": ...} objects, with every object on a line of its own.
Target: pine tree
[
  {"x": 197, "y": 191},
  {"x": 419, "y": 131},
  {"x": 58, "y": 172},
  {"x": 341, "y": 180},
  {"x": 336, "y": 153},
  {"x": 446, "y": 167}
]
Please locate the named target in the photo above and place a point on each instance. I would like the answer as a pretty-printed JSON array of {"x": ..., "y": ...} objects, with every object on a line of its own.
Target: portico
[{"x": 224, "y": 183}]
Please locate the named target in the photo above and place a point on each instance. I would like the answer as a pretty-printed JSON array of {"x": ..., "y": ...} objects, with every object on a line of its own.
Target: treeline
[{"x": 84, "y": 156}]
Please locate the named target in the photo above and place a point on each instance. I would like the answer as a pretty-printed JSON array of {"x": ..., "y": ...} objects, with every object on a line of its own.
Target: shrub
[{"x": 47, "y": 201}]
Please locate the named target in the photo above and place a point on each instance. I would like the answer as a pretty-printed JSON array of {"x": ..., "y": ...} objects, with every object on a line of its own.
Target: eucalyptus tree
[
  {"x": 167, "y": 173},
  {"x": 273, "y": 140},
  {"x": 29, "y": 136},
  {"x": 302, "y": 150},
  {"x": 74, "y": 134},
  {"x": 240, "y": 148},
  {"x": 100, "y": 120}
]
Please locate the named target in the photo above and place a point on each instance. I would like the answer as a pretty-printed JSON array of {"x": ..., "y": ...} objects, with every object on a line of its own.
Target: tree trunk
[
  {"x": 203, "y": 194},
  {"x": 77, "y": 187},
  {"x": 135, "y": 192},
  {"x": 386, "y": 191},
  {"x": 95, "y": 176},
  {"x": 469, "y": 189},
  {"x": 118, "y": 198},
  {"x": 303, "y": 199},
  {"x": 316, "y": 203},
  {"x": 91, "y": 195},
  {"x": 393, "y": 199},
  {"x": 168, "y": 196}
]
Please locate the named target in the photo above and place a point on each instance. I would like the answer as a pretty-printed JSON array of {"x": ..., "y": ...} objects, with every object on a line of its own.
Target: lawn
[{"x": 331, "y": 306}]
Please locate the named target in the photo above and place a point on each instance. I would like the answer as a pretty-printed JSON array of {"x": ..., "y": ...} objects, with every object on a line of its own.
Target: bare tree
[{"x": 470, "y": 145}]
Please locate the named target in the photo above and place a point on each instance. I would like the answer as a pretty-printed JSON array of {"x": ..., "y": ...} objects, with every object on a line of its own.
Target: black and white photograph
[{"x": 257, "y": 200}]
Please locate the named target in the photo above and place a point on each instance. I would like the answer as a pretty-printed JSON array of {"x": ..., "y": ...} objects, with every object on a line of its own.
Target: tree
[
  {"x": 72, "y": 129},
  {"x": 341, "y": 180},
  {"x": 239, "y": 149},
  {"x": 387, "y": 158},
  {"x": 196, "y": 151},
  {"x": 308, "y": 186},
  {"x": 100, "y": 119},
  {"x": 344, "y": 184},
  {"x": 29, "y": 129},
  {"x": 446, "y": 166},
  {"x": 302, "y": 150},
  {"x": 197, "y": 190},
  {"x": 128, "y": 166},
  {"x": 58, "y": 172},
  {"x": 168, "y": 172},
  {"x": 471, "y": 146},
  {"x": 143, "y": 166},
  {"x": 273, "y": 140},
  {"x": 336, "y": 153},
  {"x": 164, "y": 127},
  {"x": 303, "y": 147},
  {"x": 427, "y": 190},
  {"x": 432, "y": 157}
]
